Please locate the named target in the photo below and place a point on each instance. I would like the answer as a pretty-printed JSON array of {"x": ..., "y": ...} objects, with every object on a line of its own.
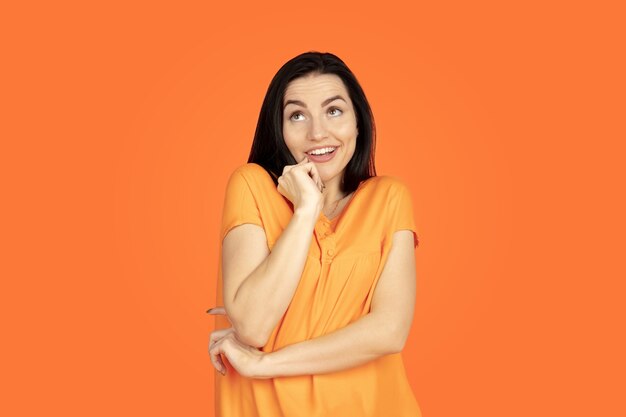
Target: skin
[
  {"x": 259, "y": 285},
  {"x": 318, "y": 123}
]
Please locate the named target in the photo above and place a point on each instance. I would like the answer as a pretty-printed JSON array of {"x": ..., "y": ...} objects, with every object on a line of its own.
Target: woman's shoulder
[
  {"x": 253, "y": 173},
  {"x": 250, "y": 169},
  {"x": 388, "y": 183}
]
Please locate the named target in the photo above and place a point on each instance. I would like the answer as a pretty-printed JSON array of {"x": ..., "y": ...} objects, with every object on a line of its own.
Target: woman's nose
[{"x": 317, "y": 128}]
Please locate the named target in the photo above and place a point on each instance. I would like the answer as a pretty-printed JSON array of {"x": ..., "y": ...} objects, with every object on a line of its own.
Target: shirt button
[{"x": 330, "y": 252}]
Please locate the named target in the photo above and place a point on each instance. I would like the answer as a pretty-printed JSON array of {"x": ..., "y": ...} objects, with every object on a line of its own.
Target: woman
[{"x": 317, "y": 279}]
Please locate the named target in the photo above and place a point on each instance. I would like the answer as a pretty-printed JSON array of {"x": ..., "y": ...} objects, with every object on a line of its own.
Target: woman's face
[{"x": 318, "y": 114}]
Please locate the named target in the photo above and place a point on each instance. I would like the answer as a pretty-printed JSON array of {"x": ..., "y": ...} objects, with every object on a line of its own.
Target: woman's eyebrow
[{"x": 325, "y": 102}]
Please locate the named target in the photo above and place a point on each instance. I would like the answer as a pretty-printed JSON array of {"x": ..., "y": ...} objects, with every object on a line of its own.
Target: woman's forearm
[
  {"x": 368, "y": 338},
  {"x": 265, "y": 294}
]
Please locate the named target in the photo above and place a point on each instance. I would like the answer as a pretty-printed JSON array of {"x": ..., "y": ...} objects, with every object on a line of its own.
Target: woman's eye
[
  {"x": 334, "y": 111},
  {"x": 337, "y": 109}
]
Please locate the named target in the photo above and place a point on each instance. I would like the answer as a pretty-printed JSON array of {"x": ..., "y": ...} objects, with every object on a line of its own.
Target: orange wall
[{"x": 121, "y": 124}]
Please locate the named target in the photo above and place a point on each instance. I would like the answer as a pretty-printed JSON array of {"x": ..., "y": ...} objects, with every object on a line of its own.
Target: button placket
[
  {"x": 326, "y": 241},
  {"x": 322, "y": 229},
  {"x": 329, "y": 247},
  {"x": 330, "y": 250}
]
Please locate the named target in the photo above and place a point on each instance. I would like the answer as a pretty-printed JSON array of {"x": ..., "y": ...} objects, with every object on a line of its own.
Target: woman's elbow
[
  {"x": 247, "y": 330},
  {"x": 251, "y": 338},
  {"x": 397, "y": 339}
]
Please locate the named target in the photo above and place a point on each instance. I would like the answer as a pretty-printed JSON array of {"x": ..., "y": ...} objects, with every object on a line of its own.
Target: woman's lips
[{"x": 322, "y": 158}]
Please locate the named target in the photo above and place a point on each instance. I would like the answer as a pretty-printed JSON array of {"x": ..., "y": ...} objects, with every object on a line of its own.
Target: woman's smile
[{"x": 324, "y": 154}]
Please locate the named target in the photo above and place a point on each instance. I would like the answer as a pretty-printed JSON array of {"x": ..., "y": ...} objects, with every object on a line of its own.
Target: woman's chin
[{"x": 326, "y": 177}]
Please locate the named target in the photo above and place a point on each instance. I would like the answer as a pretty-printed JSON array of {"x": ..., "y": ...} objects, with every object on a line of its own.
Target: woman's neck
[{"x": 332, "y": 192}]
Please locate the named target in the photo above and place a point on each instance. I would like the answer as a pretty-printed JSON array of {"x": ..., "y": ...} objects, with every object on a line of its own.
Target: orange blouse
[{"x": 345, "y": 260}]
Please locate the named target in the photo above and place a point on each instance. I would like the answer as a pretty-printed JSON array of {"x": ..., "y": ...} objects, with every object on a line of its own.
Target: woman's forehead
[{"x": 317, "y": 87}]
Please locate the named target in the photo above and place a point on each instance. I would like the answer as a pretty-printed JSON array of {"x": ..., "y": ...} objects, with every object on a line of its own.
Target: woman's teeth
[{"x": 322, "y": 151}]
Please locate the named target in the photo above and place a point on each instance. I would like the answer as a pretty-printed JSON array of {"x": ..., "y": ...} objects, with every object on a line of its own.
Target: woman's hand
[
  {"x": 302, "y": 185},
  {"x": 245, "y": 359}
]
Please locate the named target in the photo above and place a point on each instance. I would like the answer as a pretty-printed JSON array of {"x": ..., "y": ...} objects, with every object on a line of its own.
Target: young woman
[{"x": 316, "y": 284}]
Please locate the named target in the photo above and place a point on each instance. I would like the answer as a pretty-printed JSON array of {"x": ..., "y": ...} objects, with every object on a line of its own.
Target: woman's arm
[
  {"x": 382, "y": 331},
  {"x": 258, "y": 285}
]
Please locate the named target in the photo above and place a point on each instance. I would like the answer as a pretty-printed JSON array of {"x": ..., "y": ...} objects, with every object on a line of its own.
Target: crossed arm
[{"x": 382, "y": 331}]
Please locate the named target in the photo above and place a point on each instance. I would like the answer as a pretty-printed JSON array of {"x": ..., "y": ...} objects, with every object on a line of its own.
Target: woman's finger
[
  {"x": 219, "y": 311},
  {"x": 218, "y": 348},
  {"x": 316, "y": 176},
  {"x": 216, "y": 337},
  {"x": 288, "y": 168},
  {"x": 214, "y": 352},
  {"x": 219, "y": 334},
  {"x": 312, "y": 172},
  {"x": 216, "y": 359}
]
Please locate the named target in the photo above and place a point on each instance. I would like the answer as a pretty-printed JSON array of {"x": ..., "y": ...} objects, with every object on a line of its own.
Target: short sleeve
[
  {"x": 240, "y": 206},
  {"x": 401, "y": 209}
]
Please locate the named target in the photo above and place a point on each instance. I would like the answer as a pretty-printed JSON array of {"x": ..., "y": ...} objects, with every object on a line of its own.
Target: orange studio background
[{"x": 121, "y": 122}]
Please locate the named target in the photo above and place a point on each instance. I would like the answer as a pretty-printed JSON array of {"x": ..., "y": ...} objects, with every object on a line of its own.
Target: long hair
[{"x": 269, "y": 149}]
